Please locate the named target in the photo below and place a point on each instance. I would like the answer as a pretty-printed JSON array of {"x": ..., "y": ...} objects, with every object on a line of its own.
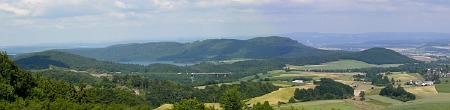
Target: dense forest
[
  {"x": 20, "y": 90},
  {"x": 326, "y": 89}
]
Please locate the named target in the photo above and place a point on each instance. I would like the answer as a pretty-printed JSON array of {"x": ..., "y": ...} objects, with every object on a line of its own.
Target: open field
[
  {"x": 320, "y": 105},
  {"x": 443, "y": 87},
  {"x": 165, "y": 107},
  {"x": 169, "y": 106},
  {"x": 269, "y": 74},
  {"x": 285, "y": 83},
  {"x": 422, "y": 90},
  {"x": 318, "y": 75},
  {"x": 439, "y": 101},
  {"x": 384, "y": 99},
  {"x": 281, "y": 95},
  {"x": 337, "y": 65},
  {"x": 405, "y": 77}
]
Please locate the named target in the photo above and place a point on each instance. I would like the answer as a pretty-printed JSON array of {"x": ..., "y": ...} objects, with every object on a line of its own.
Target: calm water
[{"x": 153, "y": 62}]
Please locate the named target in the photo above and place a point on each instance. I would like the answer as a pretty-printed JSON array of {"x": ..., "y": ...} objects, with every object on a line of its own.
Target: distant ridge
[
  {"x": 211, "y": 49},
  {"x": 42, "y": 60},
  {"x": 277, "y": 49}
]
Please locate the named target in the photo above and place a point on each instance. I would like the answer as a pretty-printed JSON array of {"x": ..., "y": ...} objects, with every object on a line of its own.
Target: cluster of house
[
  {"x": 438, "y": 71},
  {"x": 420, "y": 83}
]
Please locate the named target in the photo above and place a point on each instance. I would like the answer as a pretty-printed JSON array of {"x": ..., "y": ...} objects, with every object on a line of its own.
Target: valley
[{"x": 272, "y": 79}]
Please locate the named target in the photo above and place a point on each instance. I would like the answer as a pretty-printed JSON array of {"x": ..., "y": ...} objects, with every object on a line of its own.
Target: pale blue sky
[{"x": 28, "y": 22}]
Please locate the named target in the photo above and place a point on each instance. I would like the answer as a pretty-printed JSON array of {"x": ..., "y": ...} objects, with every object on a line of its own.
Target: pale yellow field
[
  {"x": 281, "y": 95},
  {"x": 422, "y": 90},
  {"x": 320, "y": 74},
  {"x": 169, "y": 106},
  {"x": 403, "y": 77},
  {"x": 165, "y": 107}
]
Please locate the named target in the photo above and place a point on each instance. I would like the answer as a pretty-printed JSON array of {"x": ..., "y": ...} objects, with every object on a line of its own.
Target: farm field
[
  {"x": 422, "y": 90},
  {"x": 405, "y": 77},
  {"x": 320, "y": 105},
  {"x": 426, "y": 102},
  {"x": 443, "y": 87},
  {"x": 318, "y": 75},
  {"x": 337, "y": 65},
  {"x": 169, "y": 106},
  {"x": 281, "y": 95},
  {"x": 427, "y": 96}
]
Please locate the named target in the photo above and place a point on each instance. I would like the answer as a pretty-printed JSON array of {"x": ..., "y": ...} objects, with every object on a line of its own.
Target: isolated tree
[
  {"x": 362, "y": 95},
  {"x": 385, "y": 80},
  {"x": 231, "y": 100},
  {"x": 393, "y": 81},
  {"x": 287, "y": 69},
  {"x": 190, "y": 104},
  {"x": 446, "y": 81}
]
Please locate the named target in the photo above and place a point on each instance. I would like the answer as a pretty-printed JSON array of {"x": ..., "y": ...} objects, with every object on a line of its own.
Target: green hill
[
  {"x": 379, "y": 56},
  {"x": 211, "y": 49},
  {"x": 43, "y": 60}
]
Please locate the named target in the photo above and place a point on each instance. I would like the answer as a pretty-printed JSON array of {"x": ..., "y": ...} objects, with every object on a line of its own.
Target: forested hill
[
  {"x": 211, "y": 49},
  {"x": 43, "y": 60},
  {"x": 379, "y": 56}
]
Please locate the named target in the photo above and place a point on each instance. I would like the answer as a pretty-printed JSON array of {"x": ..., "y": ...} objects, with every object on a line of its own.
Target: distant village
[{"x": 432, "y": 73}]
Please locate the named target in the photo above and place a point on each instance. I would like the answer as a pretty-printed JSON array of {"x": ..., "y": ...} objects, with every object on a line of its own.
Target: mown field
[
  {"x": 169, "y": 106},
  {"x": 443, "y": 87},
  {"x": 281, "y": 95},
  {"x": 320, "y": 105},
  {"x": 338, "y": 65},
  {"x": 439, "y": 101},
  {"x": 405, "y": 77}
]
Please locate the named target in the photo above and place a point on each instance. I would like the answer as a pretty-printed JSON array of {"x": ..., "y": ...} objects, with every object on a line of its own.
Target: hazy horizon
[{"x": 33, "y": 22}]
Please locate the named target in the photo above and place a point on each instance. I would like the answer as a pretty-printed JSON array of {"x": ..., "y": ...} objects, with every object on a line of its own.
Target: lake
[{"x": 153, "y": 62}]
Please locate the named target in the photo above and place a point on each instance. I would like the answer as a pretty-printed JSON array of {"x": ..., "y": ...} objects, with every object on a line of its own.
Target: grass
[
  {"x": 318, "y": 75},
  {"x": 169, "y": 106},
  {"x": 165, "y": 107},
  {"x": 405, "y": 77},
  {"x": 374, "y": 91},
  {"x": 320, "y": 105},
  {"x": 443, "y": 87},
  {"x": 384, "y": 99},
  {"x": 342, "y": 64},
  {"x": 422, "y": 90},
  {"x": 426, "y": 102},
  {"x": 285, "y": 84},
  {"x": 377, "y": 102},
  {"x": 281, "y": 95}
]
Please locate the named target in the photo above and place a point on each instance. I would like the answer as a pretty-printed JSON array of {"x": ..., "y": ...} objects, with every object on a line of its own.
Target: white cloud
[
  {"x": 17, "y": 11},
  {"x": 120, "y": 4},
  {"x": 118, "y": 15},
  {"x": 170, "y": 4},
  {"x": 167, "y": 16}
]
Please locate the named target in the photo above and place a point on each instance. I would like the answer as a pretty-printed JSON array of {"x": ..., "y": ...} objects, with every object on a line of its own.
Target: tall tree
[{"x": 231, "y": 100}]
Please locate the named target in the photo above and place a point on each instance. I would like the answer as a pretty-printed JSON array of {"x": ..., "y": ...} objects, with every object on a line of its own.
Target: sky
[{"x": 32, "y": 22}]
